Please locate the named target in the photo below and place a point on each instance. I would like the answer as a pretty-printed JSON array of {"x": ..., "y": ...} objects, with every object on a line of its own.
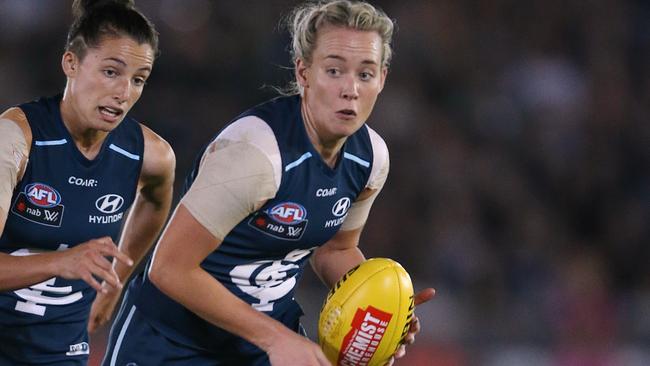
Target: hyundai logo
[
  {"x": 341, "y": 207},
  {"x": 109, "y": 203}
]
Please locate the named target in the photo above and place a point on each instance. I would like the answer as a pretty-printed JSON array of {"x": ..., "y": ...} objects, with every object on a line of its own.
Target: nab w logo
[
  {"x": 51, "y": 215},
  {"x": 341, "y": 207},
  {"x": 109, "y": 203}
]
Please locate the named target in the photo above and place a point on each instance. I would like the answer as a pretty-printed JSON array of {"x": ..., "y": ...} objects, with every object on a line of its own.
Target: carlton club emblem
[{"x": 109, "y": 203}]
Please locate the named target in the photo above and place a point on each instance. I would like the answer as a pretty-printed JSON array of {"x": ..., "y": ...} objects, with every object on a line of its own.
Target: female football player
[
  {"x": 71, "y": 165},
  {"x": 287, "y": 181}
]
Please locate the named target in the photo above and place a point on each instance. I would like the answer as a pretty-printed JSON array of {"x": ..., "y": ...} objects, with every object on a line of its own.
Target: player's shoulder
[
  {"x": 379, "y": 147},
  {"x": 159, "y": 156},
  {"x": 17, "y": 116},
  {"x": 251, "y": 130}
]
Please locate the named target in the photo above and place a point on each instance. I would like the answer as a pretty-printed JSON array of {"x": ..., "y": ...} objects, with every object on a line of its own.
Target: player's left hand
[
  {"x": 420, "y": 298},
  {"x": 103, "y": 307}
]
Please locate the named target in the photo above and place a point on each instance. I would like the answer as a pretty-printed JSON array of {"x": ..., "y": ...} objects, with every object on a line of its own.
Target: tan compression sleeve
[
  {"x": 13, "y": 151},
  {"x": 234, "y": 180},
  {"x": 360, "y": 209}
]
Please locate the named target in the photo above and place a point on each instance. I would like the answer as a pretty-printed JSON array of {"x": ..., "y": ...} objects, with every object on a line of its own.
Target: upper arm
[
  {"x": 239, "y": 172},
  {"x": 9, "y": 119},
  {"x": 158, "y": 166},
  {"x": 17, "y": 116},
  {"x": 15, "y": 139},
  {"x": 184, "y": 243}
]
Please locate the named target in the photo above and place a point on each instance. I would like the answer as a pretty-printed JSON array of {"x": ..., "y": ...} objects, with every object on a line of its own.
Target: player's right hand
[
  {"x": 88, "y": 259},
  {"x": 296, "y": 350}
]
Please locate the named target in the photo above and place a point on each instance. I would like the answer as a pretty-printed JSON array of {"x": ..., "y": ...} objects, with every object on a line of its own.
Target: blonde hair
[{"x": 305, "y": 21}]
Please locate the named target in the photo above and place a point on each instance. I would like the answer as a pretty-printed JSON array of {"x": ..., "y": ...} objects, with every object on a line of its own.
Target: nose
[
  {"x": 350, "y": 88},
  {"x": 122, "y": 91}
]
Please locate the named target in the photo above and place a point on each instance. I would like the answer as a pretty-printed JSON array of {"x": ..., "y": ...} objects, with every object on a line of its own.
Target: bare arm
[
  {"x": 332, "y": 260},
  {"x": 179, "y": 253},
  {"x": 15, "y": 139},
  {"x": 81, "y": 262},
  {"x": 152, "y": 202},
  {"x": 145, "y": 220}
]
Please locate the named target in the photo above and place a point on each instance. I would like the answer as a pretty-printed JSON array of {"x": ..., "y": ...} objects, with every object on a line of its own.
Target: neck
[
  {"x": 87, "y": 140},
  {"x": 328, "y": 148}
]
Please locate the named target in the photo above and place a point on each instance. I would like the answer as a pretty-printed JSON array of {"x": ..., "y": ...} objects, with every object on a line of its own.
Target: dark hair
[{"x": 96, "y": 19}]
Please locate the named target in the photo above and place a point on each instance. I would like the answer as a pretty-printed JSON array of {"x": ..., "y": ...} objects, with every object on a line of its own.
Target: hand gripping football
[{"x": 366, "y": 314}]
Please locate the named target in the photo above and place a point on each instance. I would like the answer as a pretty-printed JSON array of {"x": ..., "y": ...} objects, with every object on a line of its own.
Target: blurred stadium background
[{"x": 520, "y": 149}]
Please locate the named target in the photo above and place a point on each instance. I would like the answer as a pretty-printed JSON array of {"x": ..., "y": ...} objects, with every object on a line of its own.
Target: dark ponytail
[{"x": 96, "y": 19}]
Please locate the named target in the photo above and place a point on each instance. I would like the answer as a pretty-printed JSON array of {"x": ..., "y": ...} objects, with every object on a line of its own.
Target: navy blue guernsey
[
  {"x": 63, "y": 200},
  {"x": 263, "y": 256}
]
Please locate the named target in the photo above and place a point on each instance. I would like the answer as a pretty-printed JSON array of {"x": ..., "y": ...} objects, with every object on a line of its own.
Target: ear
[
  {"x": 70, "y": 64},
  {"x": 382, "y": 80},
  {"x": 301, "y": 71}
]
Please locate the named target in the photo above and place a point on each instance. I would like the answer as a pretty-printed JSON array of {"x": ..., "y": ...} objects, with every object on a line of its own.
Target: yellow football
[{"x": 367, "y": 314}]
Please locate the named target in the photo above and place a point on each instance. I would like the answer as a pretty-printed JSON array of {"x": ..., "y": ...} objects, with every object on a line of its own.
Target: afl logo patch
[
  {"x": 109, "y": 203},
  {"x": 341, "y": 207},
  {"x": 42, "y": 195},
  {"x": 288, "y": 213},
  {"x": 39, "y": 203},
  {"x": 286, "y": 221}
]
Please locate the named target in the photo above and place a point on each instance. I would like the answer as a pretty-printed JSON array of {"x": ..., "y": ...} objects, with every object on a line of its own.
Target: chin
[{"x": 108, "y": 126}]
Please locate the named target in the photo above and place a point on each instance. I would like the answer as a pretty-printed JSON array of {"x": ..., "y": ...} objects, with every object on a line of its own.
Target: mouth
[
  {"x": 346, "y": 114},
  {"x": 110, "y": 114}
]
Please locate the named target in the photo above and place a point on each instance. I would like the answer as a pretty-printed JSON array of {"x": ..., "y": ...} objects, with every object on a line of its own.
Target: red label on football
[{"x": 361, "y": 342}]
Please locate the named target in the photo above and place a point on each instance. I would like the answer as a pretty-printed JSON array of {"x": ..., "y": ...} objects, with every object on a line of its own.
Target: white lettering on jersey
[
  {"x": 335, "y": 222},
  {"x": 109, "y": 219},
  {"x": 78, "y": 349},
  {"x": 37, "y": 295},
  {"x": 270, "y": 282},
  {"x": 325, "y": 192},
  {"x": 82, "y": 182}
]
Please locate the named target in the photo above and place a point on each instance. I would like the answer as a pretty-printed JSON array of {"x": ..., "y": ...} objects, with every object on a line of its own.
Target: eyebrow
[
  {"x": 337, "y": 57},
  {"x": 146, "y": 68}
]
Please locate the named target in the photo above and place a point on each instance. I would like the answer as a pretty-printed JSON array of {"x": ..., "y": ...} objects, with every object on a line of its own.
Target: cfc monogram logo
[
  {"x": 37, "y": 297},
  {"x": 269, "y": 280}
]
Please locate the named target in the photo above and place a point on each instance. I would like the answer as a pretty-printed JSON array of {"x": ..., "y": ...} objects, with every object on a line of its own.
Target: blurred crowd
[{"x": 520, "y": 156}]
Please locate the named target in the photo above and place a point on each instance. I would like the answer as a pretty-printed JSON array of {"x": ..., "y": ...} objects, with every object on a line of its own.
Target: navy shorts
[
  {"x": 133, "y": 341},
  {"x": 56, "y": 344}
]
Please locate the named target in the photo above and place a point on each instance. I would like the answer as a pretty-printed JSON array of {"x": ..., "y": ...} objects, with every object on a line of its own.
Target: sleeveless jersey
[
  {"x": 262, "y": 258},
  {"x": 63, "y": 200}
]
